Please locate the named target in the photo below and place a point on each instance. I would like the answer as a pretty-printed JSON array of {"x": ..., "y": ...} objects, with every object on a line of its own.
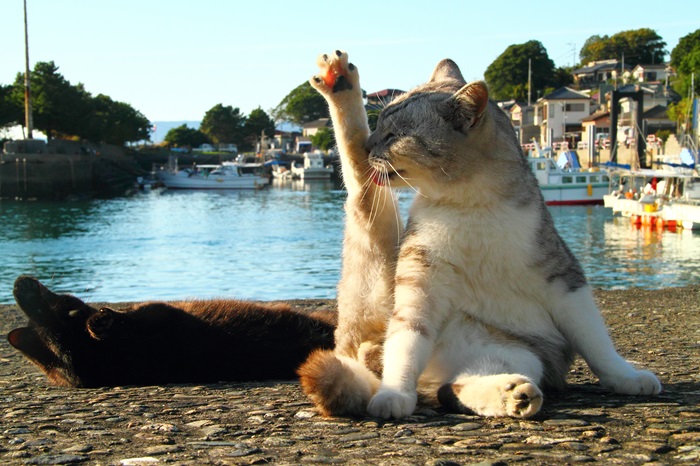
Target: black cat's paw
[{"x": 100, "y": 324}]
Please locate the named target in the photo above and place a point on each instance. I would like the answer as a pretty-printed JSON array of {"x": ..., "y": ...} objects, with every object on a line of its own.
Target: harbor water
[{"x": 283, "y": 242}]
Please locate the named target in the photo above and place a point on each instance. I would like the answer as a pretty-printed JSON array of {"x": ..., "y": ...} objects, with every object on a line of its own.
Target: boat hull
[
  {"x": 574, "y": 195},
  {"x": 182, "y": 181}
]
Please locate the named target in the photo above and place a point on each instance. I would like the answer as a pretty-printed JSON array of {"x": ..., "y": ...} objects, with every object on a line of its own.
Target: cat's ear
[
  {"x": 100, "y": 323},
  {"x": 447, "y": 69},
  {"x": 30, "y": 343},
  {"x": 466, "y": 107}
]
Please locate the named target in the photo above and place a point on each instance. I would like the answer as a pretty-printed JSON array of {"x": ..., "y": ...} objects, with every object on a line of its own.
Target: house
[
  {"x": 380, "y": 99},
  {"x": 559, "y": 115},
  {"x": 311, "y": 128},
  {"x": 654, "y": 94},
  {"x": 599, "y": 72},
  {"x": 522, "y": 118},
  {"x": 656, "y": 119},
  {"x": 651, "y": 73},
  {"x": 596, "y": 127}
]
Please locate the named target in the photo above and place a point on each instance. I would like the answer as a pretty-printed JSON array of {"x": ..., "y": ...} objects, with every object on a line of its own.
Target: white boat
[
  {"x": 228, "y": 175},
  {"x": 564, "y": 182},
  {"x": 313, "y": 168},
  {"x": 281, "y": 172},
  {"x": 666, "y": 197}
]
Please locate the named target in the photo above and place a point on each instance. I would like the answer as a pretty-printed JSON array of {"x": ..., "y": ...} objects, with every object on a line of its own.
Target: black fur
[{"x": 157, "y": 343}]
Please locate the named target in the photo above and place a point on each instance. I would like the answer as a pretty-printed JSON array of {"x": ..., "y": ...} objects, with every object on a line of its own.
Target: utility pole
[
  {"x": 28, "y": 120},
  {"x": 529, "y": 80}
]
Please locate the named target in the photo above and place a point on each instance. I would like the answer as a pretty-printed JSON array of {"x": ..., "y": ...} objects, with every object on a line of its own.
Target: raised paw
[
  {"x": 389, "y": 403},
  {"x": 336, "y": 74},
  {"x": 637, "y": 383}
]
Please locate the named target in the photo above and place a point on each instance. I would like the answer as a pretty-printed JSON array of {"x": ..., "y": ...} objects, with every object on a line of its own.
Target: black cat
[{"x": 156, "y": 343}]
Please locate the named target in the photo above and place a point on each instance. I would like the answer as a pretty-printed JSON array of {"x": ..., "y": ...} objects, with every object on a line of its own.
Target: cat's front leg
[
  {"x": 407, "y": 351},
  {"x": 338, "y": 82},
  {"x": 372, "y": 225}
]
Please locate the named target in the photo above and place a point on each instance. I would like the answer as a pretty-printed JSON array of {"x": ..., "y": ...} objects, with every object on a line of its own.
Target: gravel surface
[{"x": 274, "y": 423}]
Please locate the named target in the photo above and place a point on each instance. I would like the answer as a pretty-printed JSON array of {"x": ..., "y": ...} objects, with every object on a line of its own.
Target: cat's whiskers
[
  {"x": 383, "y": 187},
  {"x": 405, "y": 180}
]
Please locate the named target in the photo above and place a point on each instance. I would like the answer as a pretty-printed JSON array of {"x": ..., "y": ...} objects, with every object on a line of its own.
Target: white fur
[{"x": 459, "y": 320}]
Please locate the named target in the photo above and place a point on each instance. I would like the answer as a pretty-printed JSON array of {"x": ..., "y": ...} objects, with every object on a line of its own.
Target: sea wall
[{"x": 64, "y": 169}]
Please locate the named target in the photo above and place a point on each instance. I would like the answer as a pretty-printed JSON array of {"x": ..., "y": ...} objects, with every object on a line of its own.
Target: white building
[{"x": 559, "y": 115}]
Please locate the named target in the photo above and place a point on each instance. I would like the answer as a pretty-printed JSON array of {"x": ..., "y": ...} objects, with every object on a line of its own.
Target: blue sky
[{"x": 175, "y": 59}]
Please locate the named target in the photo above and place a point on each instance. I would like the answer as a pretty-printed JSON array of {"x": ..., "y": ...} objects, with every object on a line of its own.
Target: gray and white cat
[{"x": 479, "y": 302}]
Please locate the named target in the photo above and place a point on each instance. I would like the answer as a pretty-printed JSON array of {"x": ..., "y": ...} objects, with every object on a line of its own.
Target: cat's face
[
  {"x": 421, "y": 137},
  {"x": 73, "y": 343}
]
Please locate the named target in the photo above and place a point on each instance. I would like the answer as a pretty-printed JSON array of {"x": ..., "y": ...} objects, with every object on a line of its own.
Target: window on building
[{"x": 575, "y": 107}]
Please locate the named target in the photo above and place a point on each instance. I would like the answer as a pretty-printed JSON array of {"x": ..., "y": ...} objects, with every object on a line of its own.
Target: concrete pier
[{"x": 259, "y": 423}]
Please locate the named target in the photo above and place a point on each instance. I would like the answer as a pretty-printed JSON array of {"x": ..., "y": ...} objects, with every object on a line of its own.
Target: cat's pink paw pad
[{"x": 335, "y": 72}]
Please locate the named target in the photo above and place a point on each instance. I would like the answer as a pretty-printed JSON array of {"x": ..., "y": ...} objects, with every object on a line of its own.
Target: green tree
[
  {"x": 324, "y": 139},
  {"x": 638, "y": 46},
  {"x": 116, "y": 123},
  {"x": 223, "y": 124},
  {"x": 184, "y": 136},
  {"x": 10, "y": 112},
  {"x": 507, "y": 76},
  {"x": 562, "y": 76},
  {"x": 59, "y": 108},
  {"x": 257, "y": 122},
  {"x": 301, "y": 105},
  {"x": 685, "y": 60}
]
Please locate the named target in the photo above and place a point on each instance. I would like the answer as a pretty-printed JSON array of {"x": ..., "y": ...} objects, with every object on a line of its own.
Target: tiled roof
[
  {"x": 596, "y": 116},
  {"x": 386, "y": 92},
  {"x": 565, "y": 93},
  {"x": 657, "y": 111},
  {"x": 320, "y": 123}
]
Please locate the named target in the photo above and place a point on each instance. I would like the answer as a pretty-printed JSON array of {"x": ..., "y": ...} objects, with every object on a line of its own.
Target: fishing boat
[
  {"x": 312, "y": 169},
  {"x": 668, "y": 196},
  {"x": 563, "y": 181},
  {"x": 228, "y": 175}
]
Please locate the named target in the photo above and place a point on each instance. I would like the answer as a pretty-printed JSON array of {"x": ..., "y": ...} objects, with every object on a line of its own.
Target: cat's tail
[{"x": 338, "y": 385}]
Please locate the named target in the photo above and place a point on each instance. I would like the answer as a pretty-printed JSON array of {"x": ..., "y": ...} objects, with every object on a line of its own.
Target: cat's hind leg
[
  {"x": 500, "y": 395},
  {"x": 581, "y": 322},
  {"x": 499, "y": 379}
]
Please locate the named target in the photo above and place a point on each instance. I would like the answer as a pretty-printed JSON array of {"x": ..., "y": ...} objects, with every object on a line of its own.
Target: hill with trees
[{"x": 63, "y": 110}]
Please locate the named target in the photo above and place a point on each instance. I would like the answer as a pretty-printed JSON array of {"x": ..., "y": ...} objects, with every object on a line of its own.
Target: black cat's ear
[
  {"x": 447, "y": 69},
  {"x": 31, "y": 345},
  {"x": 99, "y": 324},
  {"x": 466, "y": 107}
]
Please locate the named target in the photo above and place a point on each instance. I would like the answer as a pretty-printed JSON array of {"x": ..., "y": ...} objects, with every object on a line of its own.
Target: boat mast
[{"x": 28, "y": 120}]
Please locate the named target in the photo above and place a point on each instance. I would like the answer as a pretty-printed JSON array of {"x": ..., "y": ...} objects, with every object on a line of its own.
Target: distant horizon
[{"x": 157, "y": 136}]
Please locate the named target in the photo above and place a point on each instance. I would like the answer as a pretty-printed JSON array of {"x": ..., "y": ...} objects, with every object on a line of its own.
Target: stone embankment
[{"x": 274, "y": 423}]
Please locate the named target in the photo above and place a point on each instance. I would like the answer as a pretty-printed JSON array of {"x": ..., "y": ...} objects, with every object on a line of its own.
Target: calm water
[{"x": 279, "y": 243}]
